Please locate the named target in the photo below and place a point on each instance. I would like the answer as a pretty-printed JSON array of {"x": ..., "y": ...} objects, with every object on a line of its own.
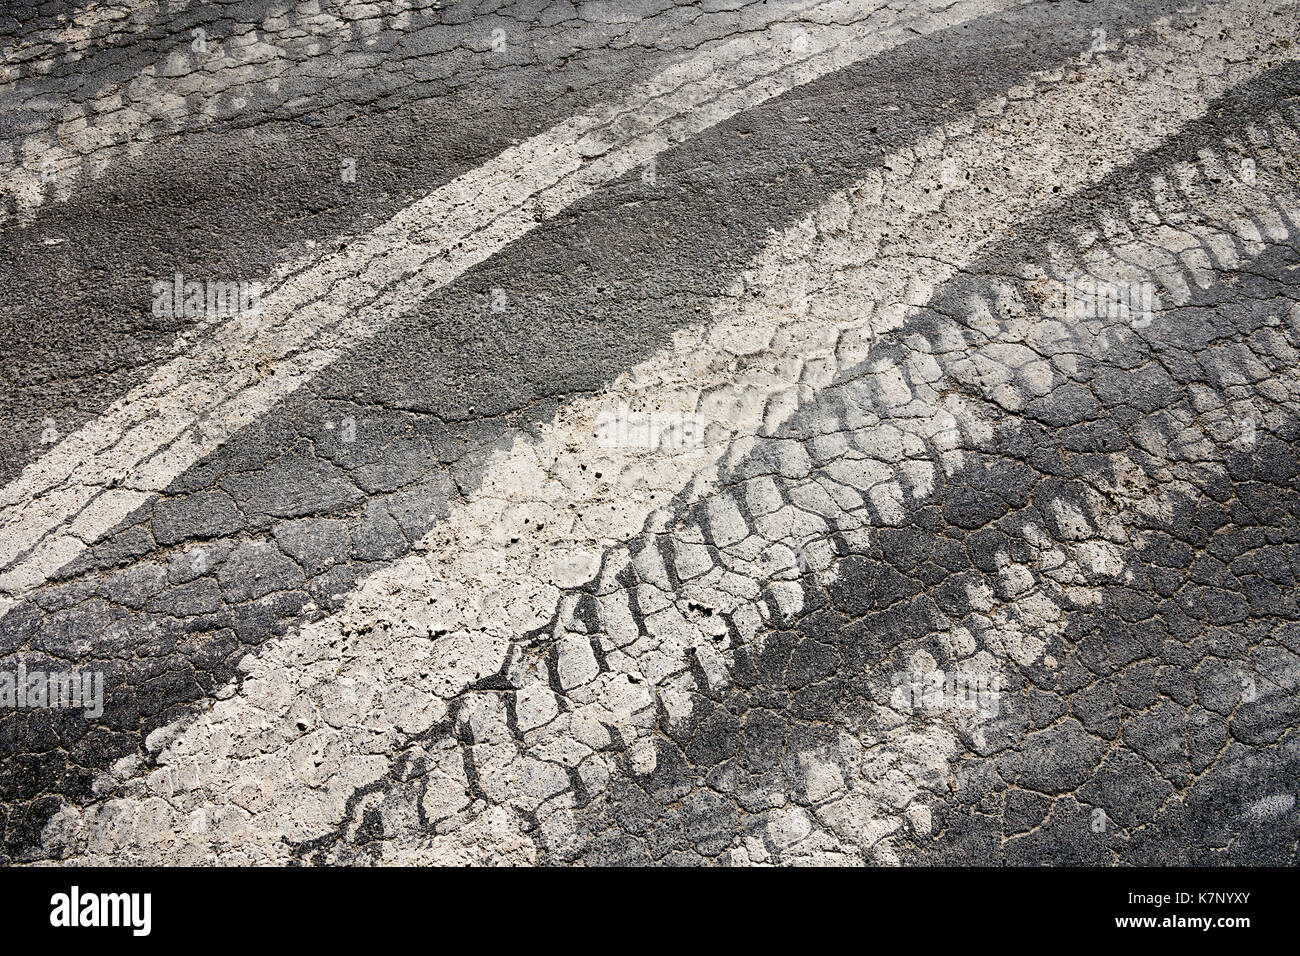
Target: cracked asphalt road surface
[{"x": 772, "y": 432}]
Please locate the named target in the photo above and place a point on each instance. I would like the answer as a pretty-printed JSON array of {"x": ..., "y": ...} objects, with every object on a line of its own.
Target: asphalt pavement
[{"x": 773, "y": 432}]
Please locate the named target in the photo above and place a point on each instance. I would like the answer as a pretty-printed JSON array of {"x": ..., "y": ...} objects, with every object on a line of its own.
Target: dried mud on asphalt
[{"x": 650, "y": 432}]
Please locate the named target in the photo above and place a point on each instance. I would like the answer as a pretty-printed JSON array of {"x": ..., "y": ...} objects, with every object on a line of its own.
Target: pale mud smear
[
  {"x": 307, "y": 743},
  {"x": 225, "y": 377},
  {"x": 194, "y": 68}
]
